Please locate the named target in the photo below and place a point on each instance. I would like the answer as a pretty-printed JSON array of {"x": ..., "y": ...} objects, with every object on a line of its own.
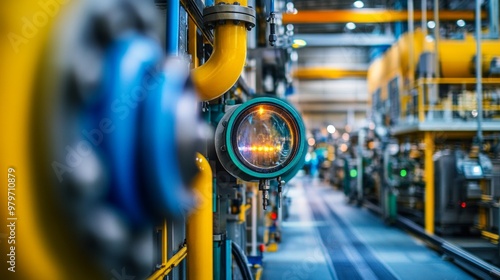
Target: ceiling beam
[
  {"x": 351, "y": 40},
  {"x": 370, "y": 16},
  {"x": 324, "y": 73},
  {"x": 320, "y": 108}
]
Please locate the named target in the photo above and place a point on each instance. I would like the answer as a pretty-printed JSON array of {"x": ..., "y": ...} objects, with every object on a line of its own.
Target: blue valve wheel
[{"x": 117, "y": 130}]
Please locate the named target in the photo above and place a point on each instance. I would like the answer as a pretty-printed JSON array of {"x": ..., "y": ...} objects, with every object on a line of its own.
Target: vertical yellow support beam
[
  {"x": 164, "y": 242},
  {"x": 200, "y": 226},
  {"x": 421, "y": 92},
  {"x": 482, "y": 217},
  {"x": 429, "y": 182}
]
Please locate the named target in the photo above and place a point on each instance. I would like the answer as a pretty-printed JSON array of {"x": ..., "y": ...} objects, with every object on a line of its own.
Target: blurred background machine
[{"x": 428, "y": 153}]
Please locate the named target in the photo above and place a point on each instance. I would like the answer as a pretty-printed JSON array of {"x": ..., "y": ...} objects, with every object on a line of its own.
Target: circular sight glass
[{"x": 264, "y": 139}]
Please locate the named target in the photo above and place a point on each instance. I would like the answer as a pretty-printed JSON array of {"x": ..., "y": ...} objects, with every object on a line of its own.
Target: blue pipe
[
  {"x": 172, "y": 39},
  {"x": 271, "y": 8},
  {"x": 229, "y": 260}
]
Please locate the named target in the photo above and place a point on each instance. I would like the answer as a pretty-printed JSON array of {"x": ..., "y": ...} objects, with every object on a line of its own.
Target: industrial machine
[
  {"x": 458, "y": 190},
  {"x": 151, "y": 142},
  {"x": 437, "y": 100}
]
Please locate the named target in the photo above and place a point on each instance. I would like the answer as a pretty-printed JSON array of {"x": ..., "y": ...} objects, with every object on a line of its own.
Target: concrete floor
[{"x": 326, "y": 238}]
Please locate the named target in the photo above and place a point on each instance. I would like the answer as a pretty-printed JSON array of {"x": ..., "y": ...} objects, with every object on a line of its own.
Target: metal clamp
[
  {"x": 264, "y": 188},
  {"x": 223, "y": 12}
]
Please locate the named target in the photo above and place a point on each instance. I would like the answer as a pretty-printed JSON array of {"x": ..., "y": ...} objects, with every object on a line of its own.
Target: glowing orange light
[
  {"x": 343, "y": 147},
  {"x": 261, "y": 110}
]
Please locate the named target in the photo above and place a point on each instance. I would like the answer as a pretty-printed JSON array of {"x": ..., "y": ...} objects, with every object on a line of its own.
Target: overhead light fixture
[
  {"x": 350, "y": 25},
  {"x": 261, "y": 139},
  {"x": 331, "y": 129},
  {"x": 298, "y": 43},
  {"x": 290, "y": 8},
  {"x": 358, "y": 4},
  {"x": 461, "y": 23},
  {"x": 431, "y": 24}
]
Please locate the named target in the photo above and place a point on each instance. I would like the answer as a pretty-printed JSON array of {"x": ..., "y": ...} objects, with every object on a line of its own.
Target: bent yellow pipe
[
  {"x": 224, "y": 67},
  {"x": 199, "y": 232}
]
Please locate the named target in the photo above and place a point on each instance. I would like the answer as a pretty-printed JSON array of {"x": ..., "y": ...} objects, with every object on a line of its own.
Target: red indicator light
[
  {"x": 274, "y": 216},
  {"x": 463, "y": 204},
  {"x": 262, "y": 248}
]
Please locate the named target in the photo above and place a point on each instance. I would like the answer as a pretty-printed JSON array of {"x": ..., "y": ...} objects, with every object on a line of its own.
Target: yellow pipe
[
  {"x": 193, "y": 34},
  {"x": 169, "y": 265},
  {"x": 199, "y": 231},
  {"x": 327, "y": 73},
  {"x": 370, "y": 16},
  {"x": 225, "y": 65},
  {"x": 429, "y": 182}
]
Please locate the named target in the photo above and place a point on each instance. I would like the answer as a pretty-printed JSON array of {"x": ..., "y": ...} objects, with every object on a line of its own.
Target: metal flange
[{"x": 226, "y": 12}]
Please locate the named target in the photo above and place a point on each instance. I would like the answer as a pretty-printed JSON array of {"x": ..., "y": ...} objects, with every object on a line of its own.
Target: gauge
[{"x": 261, "y": 139}]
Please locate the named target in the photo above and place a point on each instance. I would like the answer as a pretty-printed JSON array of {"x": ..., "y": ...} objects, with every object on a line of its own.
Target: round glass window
[{"x": 264, "y": 138}]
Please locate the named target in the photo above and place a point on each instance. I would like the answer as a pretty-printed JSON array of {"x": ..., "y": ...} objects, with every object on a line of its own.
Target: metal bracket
[
  {"x": 272, "y": 29},
  {"x": 223, "y": 12},
  {"x": 280, "y": 190},
  {"x": 264, "y": 188},
  {"x": 218, "y": 237}
]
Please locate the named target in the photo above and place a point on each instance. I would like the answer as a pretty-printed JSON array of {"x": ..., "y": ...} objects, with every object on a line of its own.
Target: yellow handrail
[{"x": 170, "y": 264}]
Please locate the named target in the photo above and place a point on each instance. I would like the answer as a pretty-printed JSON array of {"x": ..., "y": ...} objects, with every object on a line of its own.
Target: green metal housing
[{"x": 228, "y": 157}]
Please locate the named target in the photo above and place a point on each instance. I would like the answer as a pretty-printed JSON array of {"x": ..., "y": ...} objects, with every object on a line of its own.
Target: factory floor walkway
[{"x": 326, "y": 238}]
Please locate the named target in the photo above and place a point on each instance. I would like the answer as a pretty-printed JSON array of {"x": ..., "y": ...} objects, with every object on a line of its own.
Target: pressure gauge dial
[{"x": 261, "y": 139}]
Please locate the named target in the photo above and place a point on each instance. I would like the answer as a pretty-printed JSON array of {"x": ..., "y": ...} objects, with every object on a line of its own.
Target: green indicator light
[
  {"x": 403, "y": 173},
  {"x": 354, "y": 173}
]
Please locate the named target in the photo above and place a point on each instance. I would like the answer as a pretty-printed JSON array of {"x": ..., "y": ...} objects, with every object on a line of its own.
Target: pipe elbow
[
  {"x": 226, "y": 63},
  {"x": 205, "y": 170}
]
